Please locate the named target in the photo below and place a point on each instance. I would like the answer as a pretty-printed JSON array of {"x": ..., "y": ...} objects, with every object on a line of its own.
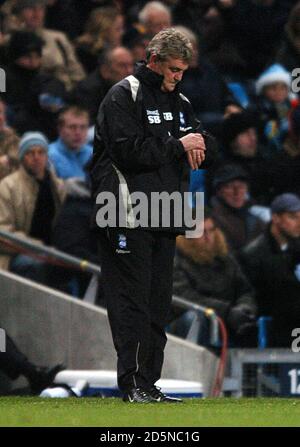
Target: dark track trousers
[{"x": 137, "y": 270}]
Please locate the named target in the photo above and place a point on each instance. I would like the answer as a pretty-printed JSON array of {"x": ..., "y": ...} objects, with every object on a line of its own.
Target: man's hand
[
  {"x": 193, "y": 141},
  {"x": 195, "y": 158},
  {"x": 194, "y": 146}
]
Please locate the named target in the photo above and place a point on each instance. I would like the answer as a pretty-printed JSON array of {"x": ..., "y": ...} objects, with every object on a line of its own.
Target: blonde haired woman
[{"x": 104, "y": 28}]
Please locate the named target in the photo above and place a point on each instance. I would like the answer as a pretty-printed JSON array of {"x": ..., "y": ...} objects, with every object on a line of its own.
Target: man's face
[
  {"x": 35, "y": 161},
  {"x": 234, "y": 193},
  {"x": 121, "y": 65},
  {"x": 172, "y": 70},
  {"x": 288, "y": 224},
  {"x": 209, "y": 233},
  {"x": 245, "y": 143},
  {"x": 33, "y": 17},
  {"x": 73, "y": 130},
  {"x": 210, "y": 244},
  {"x": 31, "y": 61}
]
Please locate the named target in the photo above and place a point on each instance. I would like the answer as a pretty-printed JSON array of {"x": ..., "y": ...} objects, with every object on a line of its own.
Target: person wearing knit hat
[
  {"x": 274, "y": 101},
  {"x": 31, "y": 139},
  {"x": 231, "y": 206},
  {"x": 235, "y": 124},
  {"x": 30, "y": 199},
  {"x": 34, "y": 97},
  {"x": 227, "y": 174},
  {"x": 241, "y": 146},
  {"x": 274, "y": 74},
  {"x": 23, "y": 43},
  {"x": 58, "y": 55}
]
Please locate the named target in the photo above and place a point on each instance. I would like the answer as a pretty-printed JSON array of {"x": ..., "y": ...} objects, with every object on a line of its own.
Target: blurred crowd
[{"x": 61, "y": 57}]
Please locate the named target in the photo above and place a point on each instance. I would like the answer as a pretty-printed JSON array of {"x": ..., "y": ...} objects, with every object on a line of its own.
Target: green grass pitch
[{"x": 93, "y": 412}]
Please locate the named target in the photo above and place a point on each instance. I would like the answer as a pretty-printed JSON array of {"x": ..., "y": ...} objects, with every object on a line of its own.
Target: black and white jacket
[{"x": 137, "y": 140}]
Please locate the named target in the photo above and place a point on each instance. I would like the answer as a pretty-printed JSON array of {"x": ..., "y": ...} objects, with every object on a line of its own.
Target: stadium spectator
[
  {"x": 206, "y": 274},
  {"x": 231, "y": 207},
  {"x": 29, "y": 201},
  {"x": 240, "y": 146},
  {"x": 70, "y": 152},
  {"x": 104, "y": 29},
  {"x": 273, "y": 102},
  {"x": 114, "y": 65},
  {"x": 33, "y": 98},
  {"x": 9, "y": 142},
  {"x": 58, "y": 56},
  {"x": 14, "y": 364},
  {"x": 154, "y": 17},
  {"x": 272, "y": 263}
]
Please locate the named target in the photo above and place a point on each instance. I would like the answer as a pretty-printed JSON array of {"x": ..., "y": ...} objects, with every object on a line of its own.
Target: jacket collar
[{"x": 148, "y": 76}]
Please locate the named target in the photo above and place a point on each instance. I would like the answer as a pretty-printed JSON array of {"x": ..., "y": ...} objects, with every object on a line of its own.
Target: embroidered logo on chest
[
  {"x": 153, "y": 116},
  {"x": 168, "y": 116}
]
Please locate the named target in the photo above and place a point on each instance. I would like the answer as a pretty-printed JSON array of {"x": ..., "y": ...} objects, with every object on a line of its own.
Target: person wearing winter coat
[
  {"x": 58, "y": 56},
  {"x": 205, "y": 273},
  {"x": 272, "y": 265},
  {"x": 33, "y": 98},
  {"x": 231, "y": 207},
  {"x": 30, "y": 199},
  {"x": 273, "y": 103}
]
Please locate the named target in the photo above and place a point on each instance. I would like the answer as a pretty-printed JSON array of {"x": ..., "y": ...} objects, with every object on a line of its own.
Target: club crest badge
[
  {"x": 122, "y": 241},
  {"x": 181, "y": 118}
]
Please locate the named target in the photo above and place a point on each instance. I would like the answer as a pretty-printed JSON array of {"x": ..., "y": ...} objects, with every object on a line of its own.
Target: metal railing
[
  {"x": 195, "y": 326},
  {"x": 53, "y": 255},
  {"x": 47, "y": 253}
]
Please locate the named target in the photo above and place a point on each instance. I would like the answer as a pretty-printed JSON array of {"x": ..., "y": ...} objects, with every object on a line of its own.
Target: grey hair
[
  {"x": 152, "y": 6},
  {"x": 170, "y": 43}
]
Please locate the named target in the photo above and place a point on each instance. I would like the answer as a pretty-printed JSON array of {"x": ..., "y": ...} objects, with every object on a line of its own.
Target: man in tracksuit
[{"x": 145, "y": 141}]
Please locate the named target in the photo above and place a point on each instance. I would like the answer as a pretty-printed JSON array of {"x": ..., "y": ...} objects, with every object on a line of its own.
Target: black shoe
[
  {"x": 138, "y": 395},
  {"x": 42, "y": 377},
  {"x": 156, "y": 393}
]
